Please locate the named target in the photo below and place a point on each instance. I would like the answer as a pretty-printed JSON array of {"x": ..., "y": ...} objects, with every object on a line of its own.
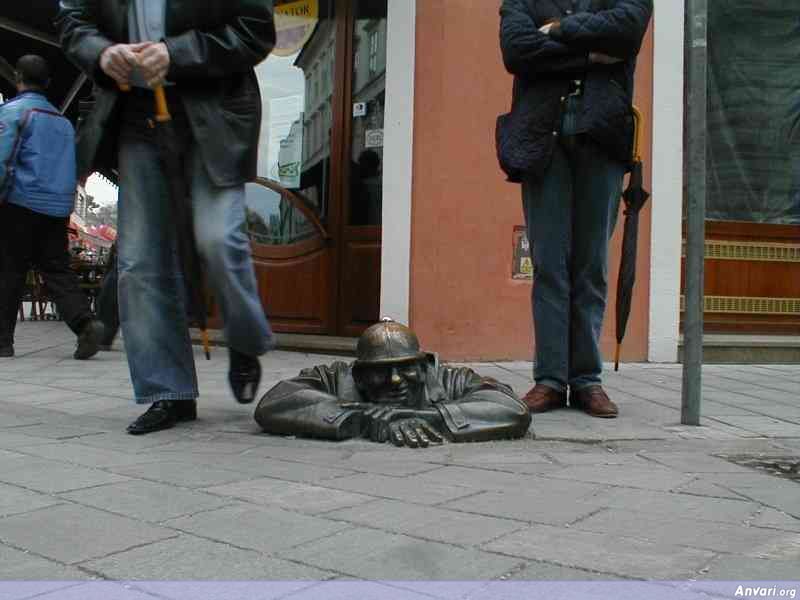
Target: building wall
[{"x": 464, "y": 303}]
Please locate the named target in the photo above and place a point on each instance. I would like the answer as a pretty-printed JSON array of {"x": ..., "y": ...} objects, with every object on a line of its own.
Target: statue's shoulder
[
  {"x": 459, "y": 381},
  {"x": 323, "y": 370},
  {"x": 327, "y": 378}
]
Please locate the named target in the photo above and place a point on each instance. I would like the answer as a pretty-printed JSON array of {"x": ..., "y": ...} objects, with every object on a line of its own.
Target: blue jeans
[
  {"x": 570, "y": 215},
  {"x": 152, "y": 296}
]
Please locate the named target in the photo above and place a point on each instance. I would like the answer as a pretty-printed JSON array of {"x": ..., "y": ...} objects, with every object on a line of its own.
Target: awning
[{"x": 26, "y": 27}]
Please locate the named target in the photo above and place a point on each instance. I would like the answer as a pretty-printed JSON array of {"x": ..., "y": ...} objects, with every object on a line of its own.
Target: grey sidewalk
[{"x": 638, "y": 497}]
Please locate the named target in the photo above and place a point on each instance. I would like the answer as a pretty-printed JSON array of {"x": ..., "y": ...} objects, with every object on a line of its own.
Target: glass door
[
  {"x": 360, "y": 265},
  {"x": 314, "y": 214}
]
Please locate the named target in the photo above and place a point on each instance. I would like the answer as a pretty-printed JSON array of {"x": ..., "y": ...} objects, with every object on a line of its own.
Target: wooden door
[
  {"x": 360, "y": 235},
  {"x": 752, "y": 278},
  {"x": 317, "y": 263}
]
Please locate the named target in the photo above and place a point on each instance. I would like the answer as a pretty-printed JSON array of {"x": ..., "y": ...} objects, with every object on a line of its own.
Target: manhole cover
[{"x": 787, "y": 467}]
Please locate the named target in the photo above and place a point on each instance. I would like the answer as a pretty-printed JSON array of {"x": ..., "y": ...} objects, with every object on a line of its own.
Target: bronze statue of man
[{"x": 393, "y": 392}]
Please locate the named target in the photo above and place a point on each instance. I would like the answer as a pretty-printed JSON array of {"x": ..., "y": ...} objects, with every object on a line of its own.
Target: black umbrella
[
  {"x": 635, "y": 198},
  {"x": 169, "y": 153}
]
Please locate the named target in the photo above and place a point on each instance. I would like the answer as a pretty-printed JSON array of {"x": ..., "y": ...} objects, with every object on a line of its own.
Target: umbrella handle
[{"x": 162, "y": 110}]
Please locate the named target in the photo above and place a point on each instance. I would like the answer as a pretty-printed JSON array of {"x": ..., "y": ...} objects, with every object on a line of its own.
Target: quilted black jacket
[{"x": 544, "y": 64}]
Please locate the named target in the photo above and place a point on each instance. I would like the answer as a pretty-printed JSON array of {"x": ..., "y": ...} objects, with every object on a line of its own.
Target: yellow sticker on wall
[{"x": 294, "y": 24}]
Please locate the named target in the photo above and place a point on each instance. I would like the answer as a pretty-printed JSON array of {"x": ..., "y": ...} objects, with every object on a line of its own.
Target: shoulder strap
[{"x": 12, "y": 158}]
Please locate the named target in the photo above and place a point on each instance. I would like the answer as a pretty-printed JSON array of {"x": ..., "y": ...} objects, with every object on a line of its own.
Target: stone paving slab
[
  {"x": 652, "y": 478},
  {"x": 608, "y": 553},
  {"x": 266, "y": 529},
  {"x": 675, "y": 506},
  {"x": 182, "y": 473},
  {"x": 399, "y": 488},
  {"x": 427, "y": 522},
  {"x": 145, "y": 500},
  {"x": 290, "y": 495},
  {"x": 547, "y": 507},
  {"x": 769, "y": 517},
  {"x": 72, "y": 534},
  {"x": 580, "y": 498},
  {"x": 18, "y": 565},
  {"x": 735, "y": 568},
  {"x": 263, "y": 466},
  {"x": 377, "y": 555},
  {"x": 703, "y": 535},
  {"x": 15, "y": 500},
  {"x": 87, "y": 456},
  {"x": 190, "y": 557},
  {"x": 52, "y": 476}
]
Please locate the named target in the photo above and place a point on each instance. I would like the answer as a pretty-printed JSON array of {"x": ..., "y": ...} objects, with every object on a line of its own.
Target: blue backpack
[{"x": 41, "y": 170}]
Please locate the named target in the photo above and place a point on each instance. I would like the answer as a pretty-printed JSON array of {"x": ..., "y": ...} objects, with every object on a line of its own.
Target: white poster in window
[
  {"x": 285, "y": 130},
  {"x": 290, "y": 157},
  {"x": 373, "y": 138}
]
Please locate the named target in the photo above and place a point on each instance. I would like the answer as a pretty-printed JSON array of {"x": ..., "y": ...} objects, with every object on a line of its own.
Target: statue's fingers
[
  {"x": 411, "y": 438},
  {"x": 374, "y": 428},
  {"x": 383, "y": 433},
  {"x": 433, "y": 435},
  {"x": 397, "y": 435},
  {"x": 424, "y": 442}
]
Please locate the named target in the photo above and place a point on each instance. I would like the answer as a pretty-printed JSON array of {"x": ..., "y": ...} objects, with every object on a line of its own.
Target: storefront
[
  {"x": 380, "y": 193},
  {"x": 381, "y": 196},
  {"x": 315, "y": 214}
]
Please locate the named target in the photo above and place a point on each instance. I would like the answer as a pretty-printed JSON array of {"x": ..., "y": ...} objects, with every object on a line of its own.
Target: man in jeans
[
  {"x": 37, "y": 194},
  {"x": 568, "y": 141},
  {"x": 204, "y": 54}
]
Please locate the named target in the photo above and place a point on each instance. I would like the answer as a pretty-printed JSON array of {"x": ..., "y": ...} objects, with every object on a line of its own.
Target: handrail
[{"x": 298, "y": 201}]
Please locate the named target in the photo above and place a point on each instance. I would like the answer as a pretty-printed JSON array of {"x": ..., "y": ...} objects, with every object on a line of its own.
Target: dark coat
[
  {"x": 213, "y": 47},
  {"x": 543, "y": 66}
]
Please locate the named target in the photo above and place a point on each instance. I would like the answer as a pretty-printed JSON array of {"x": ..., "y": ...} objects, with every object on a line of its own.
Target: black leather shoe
[
  {"x": 244, "y": 375},
  {"x": 163, "y": 415},
  {"x": 89, "y": 340},
  {"x": 7, "y": 351}
]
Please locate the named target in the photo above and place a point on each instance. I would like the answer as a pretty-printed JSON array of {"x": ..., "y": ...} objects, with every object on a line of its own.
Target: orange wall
[{"x": 464, "y": 303}]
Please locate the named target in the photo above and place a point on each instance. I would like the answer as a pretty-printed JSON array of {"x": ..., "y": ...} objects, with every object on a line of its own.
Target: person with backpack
[{"x": 37, "y": 193}]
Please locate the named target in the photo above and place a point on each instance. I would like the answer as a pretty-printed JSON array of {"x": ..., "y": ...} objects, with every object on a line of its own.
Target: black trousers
[
  {"x": 107, "y": 302},
  {"x": 29, "y": 239}
]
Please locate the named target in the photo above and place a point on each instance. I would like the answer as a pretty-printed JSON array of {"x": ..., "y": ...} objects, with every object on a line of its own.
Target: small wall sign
[{"x": 522, "y": 262}]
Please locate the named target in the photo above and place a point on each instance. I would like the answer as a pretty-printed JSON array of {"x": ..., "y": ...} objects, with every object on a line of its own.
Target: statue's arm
[
  {"x": 486, "y": 411},
  {"x": 296, "y": 407}
]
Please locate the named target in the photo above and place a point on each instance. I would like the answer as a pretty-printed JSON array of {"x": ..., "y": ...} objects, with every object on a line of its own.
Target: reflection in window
[
  {"x": 272, "y": 219},
  {"x": 295, "y": 142},
  {"x": 369, "y": 87}
]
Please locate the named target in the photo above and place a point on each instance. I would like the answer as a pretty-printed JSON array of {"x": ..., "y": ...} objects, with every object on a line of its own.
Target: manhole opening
[{"x": 787, "y": 467}]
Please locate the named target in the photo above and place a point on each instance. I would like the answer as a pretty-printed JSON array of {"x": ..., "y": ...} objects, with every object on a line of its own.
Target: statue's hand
[
  {"x": 414, "y": 433},
  {"x": 403, "y": 426}
]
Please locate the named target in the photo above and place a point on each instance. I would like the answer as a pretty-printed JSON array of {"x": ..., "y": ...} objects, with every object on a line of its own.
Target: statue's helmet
[{"x": 386, "y": 343}]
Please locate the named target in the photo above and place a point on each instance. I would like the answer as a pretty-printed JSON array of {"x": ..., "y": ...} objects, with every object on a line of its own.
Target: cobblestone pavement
[{"x": 640, "y": 497}]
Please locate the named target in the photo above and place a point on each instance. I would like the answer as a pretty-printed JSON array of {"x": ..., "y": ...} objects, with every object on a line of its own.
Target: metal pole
[
  {"x": 74, "y": 90},
  {"x": 7, "y": 72},
  {"x": 696, "y": 106},
  {"x": 28, "y": 31}
]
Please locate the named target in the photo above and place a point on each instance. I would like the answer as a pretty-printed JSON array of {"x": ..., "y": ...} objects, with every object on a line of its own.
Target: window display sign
[
  {"x": 294, "y": 24},
  {"x": 373, "y": 138}
]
